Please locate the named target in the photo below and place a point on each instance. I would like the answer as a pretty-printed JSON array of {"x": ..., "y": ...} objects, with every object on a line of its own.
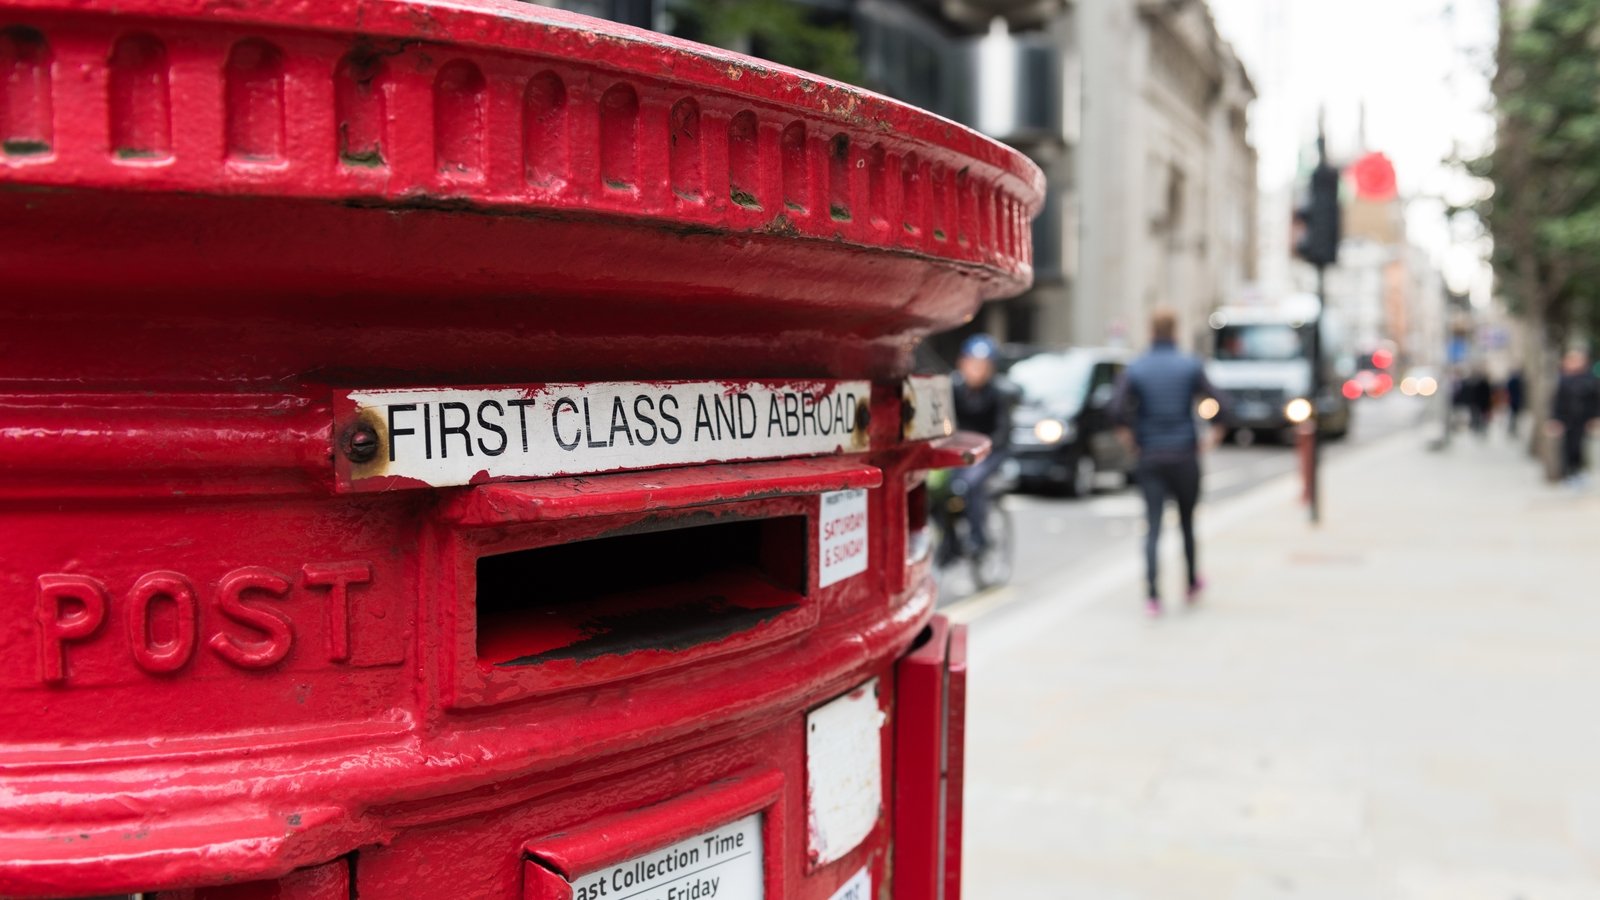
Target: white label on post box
[
  {"x": 844, "y": 772},
  {"x": 841, "y": 536},
  {"x": 438, "y": 437},
  {"x": 932, "y": 408},
  {"x": 859, "y": 887},
  {"x": 722, "y": 864}
]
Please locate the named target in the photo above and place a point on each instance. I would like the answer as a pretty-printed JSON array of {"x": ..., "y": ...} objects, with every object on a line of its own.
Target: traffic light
[{"x": 1319, "y": 218}]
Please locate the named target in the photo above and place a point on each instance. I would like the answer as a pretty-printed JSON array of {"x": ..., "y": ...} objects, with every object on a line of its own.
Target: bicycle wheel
[{"x": 995, "y": 565}]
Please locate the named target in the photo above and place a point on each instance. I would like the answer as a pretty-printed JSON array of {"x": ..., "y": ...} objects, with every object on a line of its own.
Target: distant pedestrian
[
  {"x": 1480, "y": 401},
  {"x": 1460, "y": 397},
  {"x": 1154, "y": 406},
  {"x": 1573, "y": 411},
  {"x": 1516, "y": 393}
]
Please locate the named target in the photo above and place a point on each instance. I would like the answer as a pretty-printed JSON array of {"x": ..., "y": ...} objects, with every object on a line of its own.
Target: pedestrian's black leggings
[
  {"x": 1572, "y": 439},
  {"x": 1180, "y": 480}
]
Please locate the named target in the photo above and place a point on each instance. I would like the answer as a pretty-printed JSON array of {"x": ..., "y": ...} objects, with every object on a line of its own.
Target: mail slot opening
[{"x": 659, "y": 590}]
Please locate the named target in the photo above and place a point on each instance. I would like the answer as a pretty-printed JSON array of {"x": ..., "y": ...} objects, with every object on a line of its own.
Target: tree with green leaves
[
  {"x": 782, "y": 31},
  {"x": 1544, "y": 213}
]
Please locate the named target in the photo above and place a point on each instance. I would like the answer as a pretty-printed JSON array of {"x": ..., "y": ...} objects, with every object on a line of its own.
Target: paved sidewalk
[{"x": 1403, "y": 704}]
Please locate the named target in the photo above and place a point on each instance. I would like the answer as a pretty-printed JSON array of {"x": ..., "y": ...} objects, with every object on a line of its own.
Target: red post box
[{"x": 464, "y": 449}]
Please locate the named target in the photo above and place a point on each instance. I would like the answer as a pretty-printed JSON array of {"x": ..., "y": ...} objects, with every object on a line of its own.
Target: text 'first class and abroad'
[{"x": 452, "y": 436}]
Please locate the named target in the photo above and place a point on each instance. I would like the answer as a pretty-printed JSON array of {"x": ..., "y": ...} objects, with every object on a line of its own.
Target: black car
[{"x": 1062, "y": 435}]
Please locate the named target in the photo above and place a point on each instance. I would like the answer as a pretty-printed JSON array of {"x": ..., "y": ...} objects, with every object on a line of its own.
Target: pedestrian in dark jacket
[
  {"x": 1459, "y": 397},
  {"x": 1155, "y": 407},
  {"x": 1480, "y": 401},
  {"x": 1515, "y": 392},
  {"x": 1574, "y": 409}
]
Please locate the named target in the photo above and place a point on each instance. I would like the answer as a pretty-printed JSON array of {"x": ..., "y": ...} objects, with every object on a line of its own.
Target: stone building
[
  {"x": 1137, "y": 112},
  {"x": 1166, "y": 177}
]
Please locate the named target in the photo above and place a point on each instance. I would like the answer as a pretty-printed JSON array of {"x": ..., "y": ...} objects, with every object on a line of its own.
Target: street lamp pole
[
  {"x": 1319, "y": 246},
  {"x": 1313, "y": 489}
]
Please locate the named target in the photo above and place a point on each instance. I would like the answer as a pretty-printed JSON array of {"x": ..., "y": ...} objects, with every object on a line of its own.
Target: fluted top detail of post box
[{"x": 494, "y": 108}]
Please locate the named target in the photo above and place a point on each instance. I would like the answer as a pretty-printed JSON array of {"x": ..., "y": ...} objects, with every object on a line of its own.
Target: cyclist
[{"x": 983, "y": 401}]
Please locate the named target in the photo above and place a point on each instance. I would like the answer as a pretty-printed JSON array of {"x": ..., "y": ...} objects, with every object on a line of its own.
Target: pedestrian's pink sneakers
[
  {"x": 1152, "y": 607},
  {"x": 1195, "y": 590}
]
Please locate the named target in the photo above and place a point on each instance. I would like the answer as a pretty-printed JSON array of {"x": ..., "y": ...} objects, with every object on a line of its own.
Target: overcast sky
[
  {"x": 1414, "y": 64},
  {"x": 1419, "y": 67}
]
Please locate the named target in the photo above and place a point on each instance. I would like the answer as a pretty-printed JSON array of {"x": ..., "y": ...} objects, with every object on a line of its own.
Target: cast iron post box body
[{"x": 464, "y": 449}]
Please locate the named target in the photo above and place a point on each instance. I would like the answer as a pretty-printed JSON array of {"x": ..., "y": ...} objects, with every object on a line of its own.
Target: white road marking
[
  {"x": 1029, "y": 501},
  {"x": 974, "y": 606},
  {"x": 1220, "y": 481},
  {"x": 1120, "y": 506}
]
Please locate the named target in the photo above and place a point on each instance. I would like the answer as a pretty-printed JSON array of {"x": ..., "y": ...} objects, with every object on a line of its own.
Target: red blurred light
[
  {"x": 1382, "y": 384},
  {"x": 1374, "y": 177},
  {"x": 1351, "y": 390},
  {"x": 1382, "y": 359}
]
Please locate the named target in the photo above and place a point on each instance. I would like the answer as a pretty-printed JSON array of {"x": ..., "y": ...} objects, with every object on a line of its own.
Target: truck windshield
[{"x": 1260, "y": 342}]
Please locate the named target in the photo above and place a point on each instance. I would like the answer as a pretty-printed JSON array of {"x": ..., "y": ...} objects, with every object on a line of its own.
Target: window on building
[{"x": 1047, "y": 234}]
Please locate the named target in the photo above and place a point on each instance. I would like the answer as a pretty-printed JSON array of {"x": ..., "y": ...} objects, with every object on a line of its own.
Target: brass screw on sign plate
[{"x": 360, "y": 443}]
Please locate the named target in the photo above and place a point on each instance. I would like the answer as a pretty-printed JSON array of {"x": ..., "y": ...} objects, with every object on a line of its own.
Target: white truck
[{"x": 1261, "y": 357}]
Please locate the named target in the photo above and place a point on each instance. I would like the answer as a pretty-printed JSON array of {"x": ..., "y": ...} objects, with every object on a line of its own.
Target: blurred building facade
[
  {"x": 1029, "y": 78},
  {"x": 1136, "y": 110},
  {"x": 1167, "y": 174},
  {"x": 1138, "y": 113}
]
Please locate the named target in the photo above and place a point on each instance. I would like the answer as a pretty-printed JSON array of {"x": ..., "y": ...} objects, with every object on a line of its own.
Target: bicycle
[{"x": 953, "y": 541}]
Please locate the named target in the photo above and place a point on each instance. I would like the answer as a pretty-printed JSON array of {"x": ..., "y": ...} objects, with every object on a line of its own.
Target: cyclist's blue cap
[{"x": 980, "y": 346}]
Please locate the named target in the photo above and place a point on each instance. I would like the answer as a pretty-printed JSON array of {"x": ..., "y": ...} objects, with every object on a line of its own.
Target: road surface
[{"x": 1057, "y": 534}]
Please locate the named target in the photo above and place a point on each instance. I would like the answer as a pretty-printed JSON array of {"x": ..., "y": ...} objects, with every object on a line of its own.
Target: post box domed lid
[{"x": 477, "y": 148}]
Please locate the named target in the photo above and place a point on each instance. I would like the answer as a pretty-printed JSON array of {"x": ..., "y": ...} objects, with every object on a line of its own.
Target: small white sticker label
[
  {"x": 722, "y": 864},
  {"x": 859, "y": 887},
  {"x": 844, "y": 772},
  {"x": 842, "y": 536}
]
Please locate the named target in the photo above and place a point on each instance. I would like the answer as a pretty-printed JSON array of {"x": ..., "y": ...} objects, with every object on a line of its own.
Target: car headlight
[
  {"x": 1208, "y": 408},
  {"x": 1050, "y": 431},
  {"x": 1297, "y": 410}
]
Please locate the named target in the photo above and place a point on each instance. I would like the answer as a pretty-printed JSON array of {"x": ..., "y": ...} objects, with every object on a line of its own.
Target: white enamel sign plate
[
  {"x": 438, "y": 437},
  {"x": 859, "y": 887},
  {"x": 932, "y": 406},
  {"x": 721, "y": 864},
  {"x": 844, "y": 772}
]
